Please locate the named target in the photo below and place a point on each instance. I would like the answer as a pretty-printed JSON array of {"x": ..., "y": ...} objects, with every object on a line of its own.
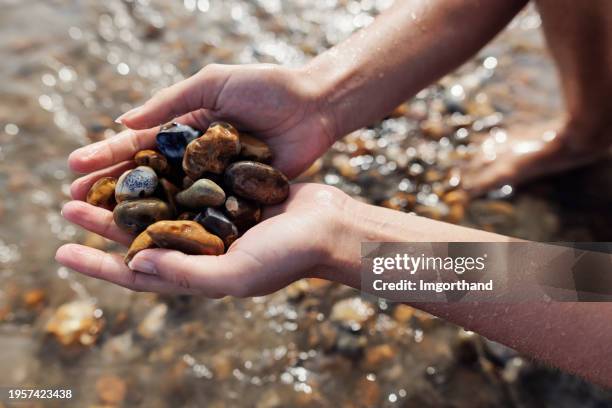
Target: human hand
[
  {"x": 277, "y": 104},
  {"x": 295, "y": 240}
]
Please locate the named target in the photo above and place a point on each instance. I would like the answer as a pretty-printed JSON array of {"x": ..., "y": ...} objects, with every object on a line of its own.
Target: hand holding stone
[{"x": 294, "y": 240}]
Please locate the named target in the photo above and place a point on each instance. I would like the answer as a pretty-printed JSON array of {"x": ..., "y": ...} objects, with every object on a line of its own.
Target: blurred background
[{"x": 68, "y": 68}]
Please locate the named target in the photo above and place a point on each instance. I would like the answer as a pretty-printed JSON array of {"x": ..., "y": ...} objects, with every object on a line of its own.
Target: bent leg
[{"x": 579, "y": 35}]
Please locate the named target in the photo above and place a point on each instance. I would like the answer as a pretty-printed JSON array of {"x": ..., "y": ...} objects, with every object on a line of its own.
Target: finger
[
  {"x": 214, "y": 276},
  {"x": 80, "y": 187},
  {"x": 124, "y": 145},
  {"x": 111, "y": 151},
  {"x": 199, "y": 91},
  {"x": 95, "y": 219},
  {"x": 111, "y": 268}
]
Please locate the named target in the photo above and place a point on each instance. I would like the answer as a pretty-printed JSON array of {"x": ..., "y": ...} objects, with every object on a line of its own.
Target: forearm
[
  {"x": 406, "y": 48},
  {"x": 572, "y": 336}
]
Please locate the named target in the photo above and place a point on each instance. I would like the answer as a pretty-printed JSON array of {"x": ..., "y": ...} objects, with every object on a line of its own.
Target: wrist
[
  {"x": 329, "y": 76},
  {"x": 316, "y": 91},
  {"x": 345, "y": 230}
]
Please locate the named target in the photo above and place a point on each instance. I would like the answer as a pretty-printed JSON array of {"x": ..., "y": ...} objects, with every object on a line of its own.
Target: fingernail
[
  {"x": 142, "y": 265},
  {"x": 120, "y": 119}
]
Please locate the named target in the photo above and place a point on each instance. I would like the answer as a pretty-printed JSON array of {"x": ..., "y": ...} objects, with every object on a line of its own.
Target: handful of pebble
[{"x": 224, "y": 180}]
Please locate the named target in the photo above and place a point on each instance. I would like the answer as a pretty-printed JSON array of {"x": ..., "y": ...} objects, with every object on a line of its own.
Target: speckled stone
[
  {"x": 173, "y": 139},
  {"x": 102, "y": 193},
  {"x": 258, "y": 182},
  {"x": 185, "y": 236},
  {"x": 141, "y": 242},
  {"x": 217, "y": 223},
  {"x": 202, "y": 193},
  {"x": 140, "y": 182},
  {"x": 152, "y": 159},
  {"x": 212, "y": 151},
  {"x": 135, "y": 216},
  {"x": 254, "y": 149}
]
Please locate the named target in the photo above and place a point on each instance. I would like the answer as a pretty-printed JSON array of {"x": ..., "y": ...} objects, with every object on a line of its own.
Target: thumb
[{"x": 199, "y": 91}]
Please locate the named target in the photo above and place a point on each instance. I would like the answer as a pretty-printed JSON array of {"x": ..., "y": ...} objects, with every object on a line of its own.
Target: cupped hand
[
  {"x": 277, "y": 104},
  {"x": 295, "y": 240}
]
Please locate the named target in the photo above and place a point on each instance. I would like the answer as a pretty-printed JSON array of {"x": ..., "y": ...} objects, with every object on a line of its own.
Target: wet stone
[
  {"x": 140, "y": 182},
  {"x": 186, "y": 216},
  {"x": 212, "y": 151},
  {"x": 168, "y": 192},
  {"x": 203, "y": 193},
  {"x": 254, "y": 149},
  {"x": 217, "y": 223},
  {"x": 258, "y": 182},
  {"x": 377, "y": 356},
  {"x": 152, "y": 159},
  {"x": 135, "y": 216},
  {"x": 173, "y": 139},
  {"x": 244, "y": 213},
  {"x": 185, "y": 236},
  {"x": 111, "y": 389},
  {"x": 153, "y": 322},
  {"x": 76, "y": 323},
  {"x": 351, "y": 344},
  {"x": 141, "y": 242},
  {"x": 456, "y": 197},
  {"x": 102, "y": 193},
  {"x": 34, "y": 298},
  {"x": 456, "y": 213},
  {"x": 187, "y": 182},
  {"x": 352, "y": 313}
]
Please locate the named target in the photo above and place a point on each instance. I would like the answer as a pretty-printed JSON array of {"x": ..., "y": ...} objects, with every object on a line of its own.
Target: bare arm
[
  {"x": 405, "y": 49},
  {"x": 575, "y": 337}
]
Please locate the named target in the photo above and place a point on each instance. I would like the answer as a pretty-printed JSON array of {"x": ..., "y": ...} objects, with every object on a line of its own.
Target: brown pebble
[
  {"x": 135, "y": 216},
  {"x": 141, "y": 242},
  {"x": 111, "y": 389},
  {"x": 456, "y": 197},
  {"x": 34, "y": 298},
  {"x": 152, "y": 159},
  {"x": 399, "y": 111},
  {"x": 456, "y": 213},
  {"x": 401, "y": 201},
  {"x": 258, "y": 182},
  {"x": 187, "y": 182},
  {"x": 368, "y": 392},
  {"x": 244, "y": 213},
  {"x": 378, "y": 355},
  {"x": 212, "y": 151},
  {"x": 403, "y": 313},
  {"x": 75, "y": 323},
  {"x": 185, "y": 236},
  {"x": 168, "y": 193},
  {"x": 102, "y": 193},
  {"x": 254, "y": 149},
  {"x": 186, "y": 216},
  {"x": 222, "y": 367},
  {"x": 434, "y": 129}
]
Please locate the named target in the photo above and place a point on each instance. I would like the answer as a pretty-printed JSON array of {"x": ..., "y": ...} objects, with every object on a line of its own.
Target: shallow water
[{"x": 69, "y": 67}]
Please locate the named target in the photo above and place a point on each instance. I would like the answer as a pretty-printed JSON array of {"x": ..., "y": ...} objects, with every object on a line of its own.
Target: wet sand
[{"x": 70, "y": 67}]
